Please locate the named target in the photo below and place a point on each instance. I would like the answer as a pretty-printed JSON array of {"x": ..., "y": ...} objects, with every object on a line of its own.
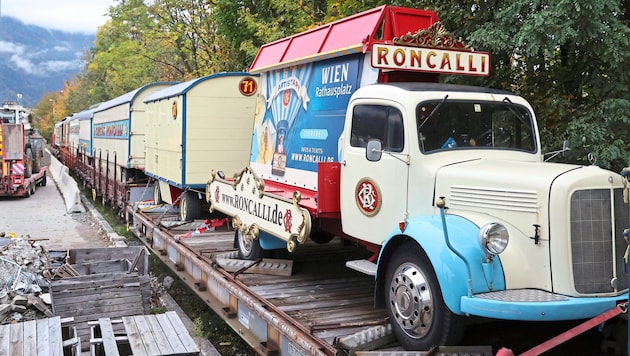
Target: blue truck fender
[{"x": 453, "y": 274}]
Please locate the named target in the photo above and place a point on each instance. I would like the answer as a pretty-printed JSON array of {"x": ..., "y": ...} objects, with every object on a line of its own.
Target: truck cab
[
  {"x": 400, "y": 136},
  {"x": 450, "y": 182}
]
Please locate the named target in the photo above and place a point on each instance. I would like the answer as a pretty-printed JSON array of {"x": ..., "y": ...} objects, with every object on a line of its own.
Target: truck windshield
[{"x": 456, "y": 124}]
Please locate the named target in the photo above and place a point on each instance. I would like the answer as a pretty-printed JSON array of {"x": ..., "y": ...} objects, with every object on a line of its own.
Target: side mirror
[{"x": 373, "y": 151}]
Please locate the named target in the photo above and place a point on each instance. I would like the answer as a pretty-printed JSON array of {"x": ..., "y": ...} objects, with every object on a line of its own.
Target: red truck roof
[{"x": 349, "y": 35}]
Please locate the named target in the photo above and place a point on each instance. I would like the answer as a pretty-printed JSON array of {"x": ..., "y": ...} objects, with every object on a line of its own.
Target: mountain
[{"x": 35, "y": 60}]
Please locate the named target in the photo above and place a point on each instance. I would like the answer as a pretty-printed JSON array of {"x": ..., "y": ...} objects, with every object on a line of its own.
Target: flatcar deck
[
  {"x": 318, "y": 307},
  {"x": 318, "y": 304}
]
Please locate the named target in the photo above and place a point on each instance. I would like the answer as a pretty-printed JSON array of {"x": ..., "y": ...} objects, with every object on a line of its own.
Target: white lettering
[{"x": 335, "y": 74}]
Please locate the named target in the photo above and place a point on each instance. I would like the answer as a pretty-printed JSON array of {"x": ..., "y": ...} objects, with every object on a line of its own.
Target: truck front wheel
[
  {"x": 416, "y": 310},
  {"x": 248, "y": 247}
]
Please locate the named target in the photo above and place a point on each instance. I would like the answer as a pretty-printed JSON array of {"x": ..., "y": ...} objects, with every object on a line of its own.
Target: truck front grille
[{"x": 598, "y": 218}]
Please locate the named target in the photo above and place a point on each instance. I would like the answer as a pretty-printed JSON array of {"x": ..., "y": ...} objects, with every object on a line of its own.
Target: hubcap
[
  {"x": 411, "y": 301},
  {"x": 245, "y": 243},
  {"x": 182, "y": 210}
]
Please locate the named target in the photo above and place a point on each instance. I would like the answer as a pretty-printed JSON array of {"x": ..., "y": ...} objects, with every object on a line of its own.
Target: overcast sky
[{"x": 83, "y": 16}]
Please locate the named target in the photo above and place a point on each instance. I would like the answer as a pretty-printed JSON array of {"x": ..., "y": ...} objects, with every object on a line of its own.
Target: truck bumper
[{"x": 536, "y": 305}]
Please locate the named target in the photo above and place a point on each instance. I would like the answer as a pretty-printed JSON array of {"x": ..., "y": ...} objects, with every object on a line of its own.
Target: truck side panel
[{"x": 302, "y": 118}]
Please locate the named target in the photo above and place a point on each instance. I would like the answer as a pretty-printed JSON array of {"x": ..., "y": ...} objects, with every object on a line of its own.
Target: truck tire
[
  {"x": 37, "y": 159},
  {"x": 189, "y": 206},
  {"x": 415, "y": 305},
  {"x": 248, "y": 249},
  {"x": 28, "y": 163},
  {"x": 157, "y": 195}
]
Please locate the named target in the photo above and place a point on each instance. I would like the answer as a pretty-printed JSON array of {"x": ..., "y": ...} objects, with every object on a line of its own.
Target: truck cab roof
[{"x": 416, "y": 86}]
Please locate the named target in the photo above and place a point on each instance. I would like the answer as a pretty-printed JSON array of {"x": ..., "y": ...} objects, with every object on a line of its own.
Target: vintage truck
[{"x": 445, "y": 185}]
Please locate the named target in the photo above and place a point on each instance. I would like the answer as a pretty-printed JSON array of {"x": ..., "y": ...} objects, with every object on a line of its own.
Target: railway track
[{"x": 309, "y": 303}]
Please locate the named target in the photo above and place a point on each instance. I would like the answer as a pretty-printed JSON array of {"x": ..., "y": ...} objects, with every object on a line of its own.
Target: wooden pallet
[
  {"x": 37, "y": 337},
  {"x": 161, "y": 334}
]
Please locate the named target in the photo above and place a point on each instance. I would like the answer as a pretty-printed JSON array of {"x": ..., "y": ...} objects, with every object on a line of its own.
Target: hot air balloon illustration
[{"x": 287, "y": 93}]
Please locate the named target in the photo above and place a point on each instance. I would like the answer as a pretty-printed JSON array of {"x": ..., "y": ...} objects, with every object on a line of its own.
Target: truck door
[{"x": 374, "y": 192}]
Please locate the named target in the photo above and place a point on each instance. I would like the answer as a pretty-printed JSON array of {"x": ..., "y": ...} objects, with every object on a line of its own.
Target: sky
[{"x": 77, "y": 16}]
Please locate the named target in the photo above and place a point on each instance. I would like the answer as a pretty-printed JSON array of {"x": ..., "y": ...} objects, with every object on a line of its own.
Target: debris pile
[{"x": 24, "y": 291}]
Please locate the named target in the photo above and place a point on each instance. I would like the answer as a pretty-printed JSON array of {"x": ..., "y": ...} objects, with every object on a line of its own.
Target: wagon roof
[
  {"x": 183, "y": 88},
  {"x": 127, "y": 98},
  {"x": 83, "y": 115},
  {"x": 354, "y": 34}
]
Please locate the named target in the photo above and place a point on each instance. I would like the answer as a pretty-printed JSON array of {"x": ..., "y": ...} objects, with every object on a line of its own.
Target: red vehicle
[{"x": 21, "y": 152}]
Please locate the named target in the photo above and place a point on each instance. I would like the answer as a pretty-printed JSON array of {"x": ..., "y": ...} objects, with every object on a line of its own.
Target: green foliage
[
  {"x": 602, "y": 132},
  {"x": 248, "y": 24},
  {"x": 567, "y": 57}
]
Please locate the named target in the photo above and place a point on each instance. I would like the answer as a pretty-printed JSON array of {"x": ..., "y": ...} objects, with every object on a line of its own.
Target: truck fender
[{"x": 451, "y": 271}]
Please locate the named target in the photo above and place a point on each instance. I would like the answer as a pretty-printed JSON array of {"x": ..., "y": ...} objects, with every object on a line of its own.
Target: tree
[
  {"x": 123, "y": 58},
  {"x": 567, "y": 57},
  {"x": 248, "y": 24}
]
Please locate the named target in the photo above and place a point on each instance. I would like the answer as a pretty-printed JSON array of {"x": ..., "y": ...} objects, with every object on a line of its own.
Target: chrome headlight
[{"x": 494, "y": 238}]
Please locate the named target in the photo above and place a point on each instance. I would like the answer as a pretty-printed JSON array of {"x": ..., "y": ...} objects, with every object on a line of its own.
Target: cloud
[
  {"x": 76, "y": 16},
  {"x": 62, "y": 66},
  {"x": 22, "y": 60}
]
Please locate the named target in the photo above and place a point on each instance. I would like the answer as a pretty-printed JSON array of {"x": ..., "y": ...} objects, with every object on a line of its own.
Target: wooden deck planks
[
  {"x": 108, "y": 338},
  {"x": 135, "y": 340},
  {"x": 33, "y": 337},
  {"x": 92, "y": 297},
  {"x": 168, "y": 329},
  {"x": 162, "y": 334}
]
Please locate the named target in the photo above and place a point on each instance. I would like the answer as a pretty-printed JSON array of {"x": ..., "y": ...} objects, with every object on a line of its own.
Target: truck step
[{"x": 363, "y": 266}]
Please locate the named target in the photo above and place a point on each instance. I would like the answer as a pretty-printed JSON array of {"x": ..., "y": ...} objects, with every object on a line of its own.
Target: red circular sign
[
  {"x": 248, "y": 86},
  {"x": 368, "y": 197}
]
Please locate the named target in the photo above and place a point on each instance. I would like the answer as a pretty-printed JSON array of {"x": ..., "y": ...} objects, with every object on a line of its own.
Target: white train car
[
  {"x": 84, "y": 119},
  {"x": 197, "y": 126},
  {"x": 57, "y": 136},
  {"x": 118, "y": 133},
  {"x": 72, "y": 123}
]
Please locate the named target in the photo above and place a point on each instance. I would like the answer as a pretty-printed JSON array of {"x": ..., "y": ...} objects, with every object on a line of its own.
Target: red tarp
[{"x": 352, "y": 34}]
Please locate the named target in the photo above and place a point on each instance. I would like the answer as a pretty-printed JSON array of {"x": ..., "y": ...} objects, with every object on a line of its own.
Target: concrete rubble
[{"x": 24, "y": 290}]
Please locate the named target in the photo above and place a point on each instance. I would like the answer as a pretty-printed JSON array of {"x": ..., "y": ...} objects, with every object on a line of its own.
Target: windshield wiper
[
  {"x": 432, "y": 112},
  {"x": 510, "y": 107}
]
